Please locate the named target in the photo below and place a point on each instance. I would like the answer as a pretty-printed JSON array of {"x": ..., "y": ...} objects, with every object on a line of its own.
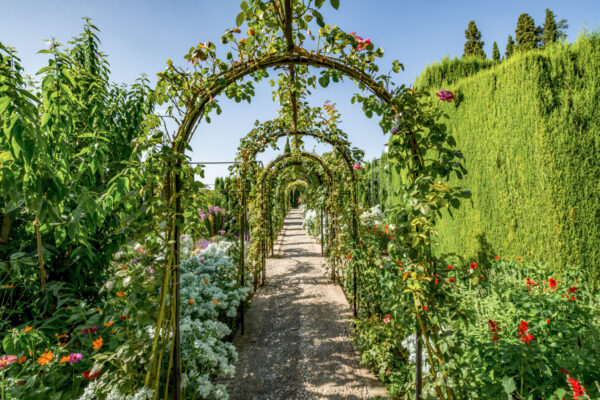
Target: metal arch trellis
[
  {"x": 354, "y": 214},
  {"x": 195, "y": 108}
]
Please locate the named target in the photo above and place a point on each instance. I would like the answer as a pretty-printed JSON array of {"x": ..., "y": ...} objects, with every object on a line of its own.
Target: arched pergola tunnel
[{"x": 269, "y": 46}]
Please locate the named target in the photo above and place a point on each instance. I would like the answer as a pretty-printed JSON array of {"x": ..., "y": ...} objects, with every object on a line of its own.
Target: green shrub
[{"x": 530, "y": 131}]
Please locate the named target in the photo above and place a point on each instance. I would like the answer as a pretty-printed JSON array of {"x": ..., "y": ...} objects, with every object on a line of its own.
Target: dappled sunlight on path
[{"x": 296, "y": 344}]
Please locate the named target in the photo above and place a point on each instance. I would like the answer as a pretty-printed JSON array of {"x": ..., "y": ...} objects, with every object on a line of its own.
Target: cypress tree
[
  {"x": 474, "y": 44},
  {"x": 510, "y": 47},
  {"x": 496, "y": 53},
  {"x": 287, "y": 149},
  {"x": 527, "y": 34},
  {"x": 550, "y": 32}
]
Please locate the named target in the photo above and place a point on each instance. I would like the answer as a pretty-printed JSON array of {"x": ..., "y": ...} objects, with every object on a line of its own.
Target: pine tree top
[
  {"x": 527, "y": 34},
  {"x": 495, "y": 52},
  {"x": 550, "y": 34},
  {"x": 510, "y": 47},
  {"x": 474, "y": 44}
]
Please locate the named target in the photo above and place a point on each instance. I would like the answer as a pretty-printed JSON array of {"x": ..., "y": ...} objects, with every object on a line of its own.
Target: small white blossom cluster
[
  {"x": 209, "y": 290},
  {"x": 410, "y": 344},
  {"x": 92, "y": 390},
  {"x": 373, "y": 215},
  {"x": 310, "y": 222}
]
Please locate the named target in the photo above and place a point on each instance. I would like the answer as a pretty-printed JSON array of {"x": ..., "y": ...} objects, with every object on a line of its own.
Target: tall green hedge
[
  {"x": 449, "y": 71},
  {"x": 530, "y": 131}
]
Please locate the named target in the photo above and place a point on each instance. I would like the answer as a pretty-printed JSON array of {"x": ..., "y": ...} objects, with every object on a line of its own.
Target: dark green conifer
[
  {"x": 496, "y": 53},
  {"x": 287, "y": 149},
  {"x": 527, "y": 33},
  {"x": 550, "y": 34},
  {"x": 474, "y": 44},
  {"x": 510, "y": 47}
]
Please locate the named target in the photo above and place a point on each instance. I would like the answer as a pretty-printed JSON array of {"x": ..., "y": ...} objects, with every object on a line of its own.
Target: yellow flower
[
  {"x": 28, "y": 329},
  {"x": 45, "y": 358},
  {"x": 98, "y": 343}
]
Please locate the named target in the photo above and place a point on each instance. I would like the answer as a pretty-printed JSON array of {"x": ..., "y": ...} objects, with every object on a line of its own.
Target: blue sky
[{"x": 139, "y": 36}]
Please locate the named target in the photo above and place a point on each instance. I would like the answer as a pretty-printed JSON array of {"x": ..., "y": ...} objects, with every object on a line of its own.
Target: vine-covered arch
[{"x": 193, "y": 96}]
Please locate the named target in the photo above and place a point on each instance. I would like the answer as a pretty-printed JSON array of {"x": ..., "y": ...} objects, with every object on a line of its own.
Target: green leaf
[
  {"x": 335, "y": 4},
  {"x": 239, "y": 20},
  {"x": 324, "y": 80},
  {"x": 319, "y": 3},
  {"x": 244, "y": 5},
  {"x": 4, "y": 102},
  {"x": 509, "y": 384}
]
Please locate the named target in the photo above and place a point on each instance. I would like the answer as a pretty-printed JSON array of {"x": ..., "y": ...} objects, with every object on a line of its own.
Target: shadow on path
[{"x": 296, "y": 344}]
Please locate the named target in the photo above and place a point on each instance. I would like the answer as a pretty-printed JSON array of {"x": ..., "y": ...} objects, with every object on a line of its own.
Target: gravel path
[{"x": 296, "y": 344}]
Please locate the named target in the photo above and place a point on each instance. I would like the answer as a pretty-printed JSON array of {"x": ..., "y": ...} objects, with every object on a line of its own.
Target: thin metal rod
[
  {"x": 419, "y": 365},
  {"x": 177, "y": 395},
  {"x": 242, "y": 237}
]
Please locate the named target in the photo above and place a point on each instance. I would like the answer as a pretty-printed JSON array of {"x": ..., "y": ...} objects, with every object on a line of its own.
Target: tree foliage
[
  {"x": 527, "y": 34},
  {"x": 496, "y": 53},
  {"x": 510, "y": 47},
  {"x": 474, "y": 44}
]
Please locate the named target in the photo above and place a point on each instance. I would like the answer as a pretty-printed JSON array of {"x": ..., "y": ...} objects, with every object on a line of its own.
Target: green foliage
[
  {"x": 530, "y": 129},
  {"x": 496, "y": 53},
  {"x": 449, "y": 71},
  {"x": 510, "y": 47},
  {"x": 527, "y": 34},
  {"x": 71, "y": 150},
  {"x": 474, "y": 44},
  {"x": 550, "y": 34}
]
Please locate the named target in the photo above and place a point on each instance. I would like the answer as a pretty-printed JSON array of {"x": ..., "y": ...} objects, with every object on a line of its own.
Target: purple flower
[
  {"x": 396, "y": 130},
  {"x": 183, "y": 237},
  {"x": 137, "y": 260},
  {"x": 445, "y": 95},
  {"x": 357, "y": 166},
  {"x": 151, "y": 271},
  {"x": 73, "y": 358},
  {"x": 91, "y": 329},
  {"x": 221, "y": 232}
]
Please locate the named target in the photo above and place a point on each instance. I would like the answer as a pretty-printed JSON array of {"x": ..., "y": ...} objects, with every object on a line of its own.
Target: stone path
[{"x": 296, "y": 344}]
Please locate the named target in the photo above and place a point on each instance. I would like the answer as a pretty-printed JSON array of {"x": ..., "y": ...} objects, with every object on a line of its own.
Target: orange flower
[
  {"x": 64, "y": 359},
  {"x": 98, "y": 343},
  {"x": 205, "y": 280},
  {"x": 108, "y": 324},
  {"x": 45, "y": 358},
  {"x": 191, "y": 301},
  {"x": 120, "y": 294},
  {"x": 22, "y": 360},
  {"x": 28, "y": 329},
  {"x": 62, "y": 344},
  {"x": 64, "y": 335},
  {"x": 124, "y": 267},
  {"x": 11, "y": 286},
  {"x": 113, "y": 331},
  {"x": 216, "y": 302}
]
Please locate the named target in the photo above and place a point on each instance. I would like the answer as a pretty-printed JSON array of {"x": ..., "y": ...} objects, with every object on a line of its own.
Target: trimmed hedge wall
[{"x": 530, "y": 131}]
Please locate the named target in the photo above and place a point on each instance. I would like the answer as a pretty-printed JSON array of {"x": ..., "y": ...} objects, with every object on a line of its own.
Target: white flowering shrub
[
  {"x": 373, "y": 216},
  {"x": 209, "y": 291},
  {"x": 310, "y": 222}
]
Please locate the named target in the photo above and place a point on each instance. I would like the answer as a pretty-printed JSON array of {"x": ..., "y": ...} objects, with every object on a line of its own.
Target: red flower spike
[
  {"x": 578, "y": 390},
  {"x": 552, "y": 283}
]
